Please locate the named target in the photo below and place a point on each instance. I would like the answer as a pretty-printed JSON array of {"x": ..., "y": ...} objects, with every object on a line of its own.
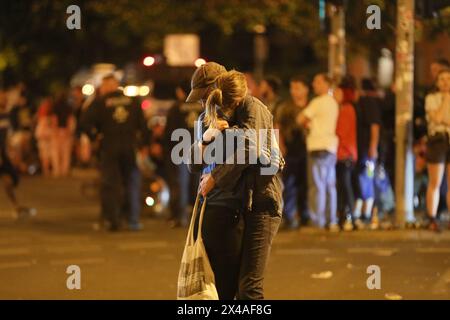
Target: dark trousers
[
  {"x": 222, "y": 233},
  {"x": 260, "y": 229},
  {"x": 295, "y": 194},
  {"x": 120, "y": 186},
  {"x": 345, "y": 194}
]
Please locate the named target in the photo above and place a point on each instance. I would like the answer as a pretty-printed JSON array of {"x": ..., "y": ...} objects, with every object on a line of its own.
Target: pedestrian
[
  {"x": 368, "y": 113},
  {"x": 269, "y": 90},
  {"x": 437, "y": 106},
  {"x": 120, "y": 121},
  {"x": 223, "y": 221},
  {"x": 181, "y": 115},
  {"x": 63, "y": 126},
  {"x": 435, "y": 68},
  {"x": 43, "y": 134},
  {"x": 347, "y": 153},
  {"x": 261, "y": 188},
  {"x": 293, "y": 146},
  {"x": 320, "y": 118},
  {"x": 8, "y": 173},
  {"x": 21, "y": 124}
]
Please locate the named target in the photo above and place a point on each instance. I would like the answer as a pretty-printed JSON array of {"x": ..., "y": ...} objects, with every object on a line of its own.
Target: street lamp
[{"x": 148, "y": 61}]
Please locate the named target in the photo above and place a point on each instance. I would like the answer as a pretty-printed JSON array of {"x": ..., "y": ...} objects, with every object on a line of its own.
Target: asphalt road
[{"x": 34, "y": 256}]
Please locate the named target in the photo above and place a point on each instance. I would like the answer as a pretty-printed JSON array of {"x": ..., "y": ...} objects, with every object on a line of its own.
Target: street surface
[{"x": 34, "y": 256}]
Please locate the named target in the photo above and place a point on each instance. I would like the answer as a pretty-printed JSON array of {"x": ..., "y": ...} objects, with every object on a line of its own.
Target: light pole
[
  {"x": 336, "y": 42},
  {"x": 260, "y": 51},
  {"x": 404, "y": 85}
]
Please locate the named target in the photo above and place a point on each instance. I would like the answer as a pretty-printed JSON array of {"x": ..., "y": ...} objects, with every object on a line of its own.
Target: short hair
[
  {"x": 347, "y": 82},
  {"x": 274, "y": 83},
  {"x": 326, "y": 77},
  {"x": 109, "y": 76},
  {"x": 368, "y": 84},
  {"x": 443, "y": 62},
  {"x": 445, "y": 70},
  {"x": 299, "y": 78}
]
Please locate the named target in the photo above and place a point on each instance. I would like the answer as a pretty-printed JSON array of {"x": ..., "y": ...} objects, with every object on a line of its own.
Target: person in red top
[{"x": 347, "y": 152}]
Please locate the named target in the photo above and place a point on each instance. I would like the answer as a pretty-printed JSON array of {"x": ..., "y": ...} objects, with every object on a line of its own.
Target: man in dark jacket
[{"x": 120, "y": 121}]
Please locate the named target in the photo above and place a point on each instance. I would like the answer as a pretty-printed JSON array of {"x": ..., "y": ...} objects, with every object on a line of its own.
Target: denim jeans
[
  {"x": 260, "y": 229},
  {"x": 322, "y": 187}
]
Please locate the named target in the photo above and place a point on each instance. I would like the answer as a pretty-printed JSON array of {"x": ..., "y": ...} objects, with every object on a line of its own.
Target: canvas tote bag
[{"x": 196, "y": 278}]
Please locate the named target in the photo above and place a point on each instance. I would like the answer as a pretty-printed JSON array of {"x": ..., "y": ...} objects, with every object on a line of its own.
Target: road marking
[
  {"x": 301, "y": 251},
  {"x": 433, "y": 250},
  {"x": 62, "y": 239},
  {"x": 384, "y": 252},
  {"x": 143, "y": 245},
  {"x": 14, "y": 251},
  {"x": 13, "y": 240},
  {"x": 82, "y": 261},
  {"x": 18, "y": 264},
  {"x": 73, "y": 248},
  {"x": 168, "y": 256}
]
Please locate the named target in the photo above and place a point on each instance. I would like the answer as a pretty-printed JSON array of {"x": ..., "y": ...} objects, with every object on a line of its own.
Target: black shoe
[{"x": 114, "y": 228}]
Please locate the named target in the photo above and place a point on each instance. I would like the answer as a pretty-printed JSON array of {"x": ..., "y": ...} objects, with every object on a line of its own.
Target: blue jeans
[{"x": 322, "y": 187}]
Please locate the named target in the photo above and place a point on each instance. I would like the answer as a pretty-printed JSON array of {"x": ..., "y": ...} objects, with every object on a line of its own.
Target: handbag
[{"x": 196, "y": 278}]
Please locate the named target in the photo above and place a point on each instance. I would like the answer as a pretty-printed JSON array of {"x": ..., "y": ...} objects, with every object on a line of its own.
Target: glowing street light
[
  {"x": 148, "y": 61},
  {"x": 144, "y": 90},
  {"x": 131, "y": 91},
  {"x": 88, "y": 89}
]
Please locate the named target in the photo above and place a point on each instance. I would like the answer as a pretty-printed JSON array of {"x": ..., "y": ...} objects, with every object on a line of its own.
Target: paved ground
[{"x": 34, "y": 256}]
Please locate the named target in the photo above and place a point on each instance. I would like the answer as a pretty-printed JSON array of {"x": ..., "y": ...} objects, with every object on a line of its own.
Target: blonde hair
[{"x": 230, "y": 90}]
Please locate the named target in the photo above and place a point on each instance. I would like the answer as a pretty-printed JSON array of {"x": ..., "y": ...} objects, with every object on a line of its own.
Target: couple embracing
[{"x": 244, "y": 202}]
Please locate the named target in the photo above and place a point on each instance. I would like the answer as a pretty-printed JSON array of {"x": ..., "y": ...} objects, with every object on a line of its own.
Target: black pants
[
  {"x": 222, "y": 233},
  {"x": 117, "y": 189},
  {"x": 345, "y": 194},
  {"x": 260, "y": 229}
]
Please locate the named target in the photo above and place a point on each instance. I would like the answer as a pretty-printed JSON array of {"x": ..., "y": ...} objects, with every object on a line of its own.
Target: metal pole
[
  {"x": 404, "y": 83},
  {"x": 260, "y": 53},
  {"x": 336, "y": 42}
]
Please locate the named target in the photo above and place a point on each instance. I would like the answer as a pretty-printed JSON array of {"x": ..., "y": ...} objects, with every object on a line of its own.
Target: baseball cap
[{"x": 202, "y": 78}]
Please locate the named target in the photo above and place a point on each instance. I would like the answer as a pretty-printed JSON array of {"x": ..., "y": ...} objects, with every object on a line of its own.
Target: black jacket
[{"x": 119, "y": 119}]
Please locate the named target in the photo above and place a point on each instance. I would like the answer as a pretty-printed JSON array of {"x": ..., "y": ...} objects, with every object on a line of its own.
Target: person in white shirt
[
  {"x": 437, "y": 107},
  {"x": 320, "y": 118}
]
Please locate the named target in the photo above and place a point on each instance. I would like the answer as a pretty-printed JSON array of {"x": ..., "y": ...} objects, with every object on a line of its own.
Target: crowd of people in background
[{"x": 338, "y": 140}]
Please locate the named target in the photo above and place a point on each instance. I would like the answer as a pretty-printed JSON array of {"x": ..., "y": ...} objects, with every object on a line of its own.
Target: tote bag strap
[
  {"x": 200, "y": 220},
  {"x": 190, "y": 235}
]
